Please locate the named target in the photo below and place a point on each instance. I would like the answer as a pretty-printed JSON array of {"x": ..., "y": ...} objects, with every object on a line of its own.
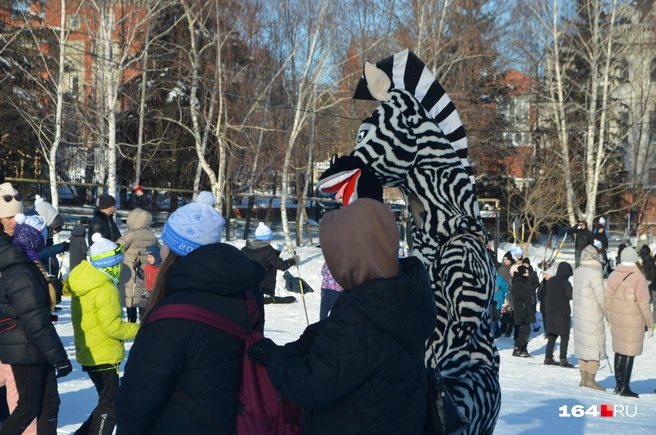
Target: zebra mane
[{"x": 406, "y": 71}]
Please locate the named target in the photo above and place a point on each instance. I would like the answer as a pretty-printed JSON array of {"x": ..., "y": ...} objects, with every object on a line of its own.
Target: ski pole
[
  {"x": 300, "y": 283},
  {"x": 609, "y": 366}
]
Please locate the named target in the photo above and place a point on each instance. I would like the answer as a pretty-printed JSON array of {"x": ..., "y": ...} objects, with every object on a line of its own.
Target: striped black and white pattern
[
  {"x": 406, "y": 148},
  {"x": 408, "y": 72}
]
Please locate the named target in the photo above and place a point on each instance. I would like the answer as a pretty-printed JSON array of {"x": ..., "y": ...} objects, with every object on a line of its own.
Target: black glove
[
  {"x": 306, "y": 340},
  {"x": 257, "y": 352},
  {"x": 66, "y": 246},
  {"x": 63, "y": 368}
]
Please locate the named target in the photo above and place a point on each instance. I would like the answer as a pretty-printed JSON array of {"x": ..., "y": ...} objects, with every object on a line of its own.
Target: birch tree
[{"x": 578, "y": 102}]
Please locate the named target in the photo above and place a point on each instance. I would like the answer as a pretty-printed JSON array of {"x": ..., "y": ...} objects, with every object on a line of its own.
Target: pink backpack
[{"x": 262, "y": 410}]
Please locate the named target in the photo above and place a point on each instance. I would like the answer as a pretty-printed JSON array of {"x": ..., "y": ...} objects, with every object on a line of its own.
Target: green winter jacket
[{"x": 97, "y": 317}]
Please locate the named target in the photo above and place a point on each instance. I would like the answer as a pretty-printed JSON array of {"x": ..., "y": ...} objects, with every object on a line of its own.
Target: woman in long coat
[
  {"x": 589, "y": 312},
  {"x": 627, "y": 305},
  {"x": 135, "y": 241},
  {"x": 558, "y": 314}
]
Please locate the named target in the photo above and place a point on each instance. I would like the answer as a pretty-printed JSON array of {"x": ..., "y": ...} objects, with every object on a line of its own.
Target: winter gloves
[
  {"x": 258, "y": 352},
  {"x": 297, "y": 260},
  {"x": 66, "y": 246},
  {"x": 306, "y": 340},
  {"x": 63, "y": 368}
]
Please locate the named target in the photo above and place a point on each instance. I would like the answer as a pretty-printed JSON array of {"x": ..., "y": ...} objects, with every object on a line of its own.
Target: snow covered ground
[{"x": 533, "y": 396}]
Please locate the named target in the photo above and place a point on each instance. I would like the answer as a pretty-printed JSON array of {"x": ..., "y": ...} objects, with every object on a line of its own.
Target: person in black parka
[
  {"x": 260, "y": 250},
  {"x": 103, "y": 220},
  {"x": 522, "y": 300},
  {"x": 584, "y": 237},
  {"x": 559, "y": 313},
  {"x": 78, "y": 248},
  {"x": 29, "y": 342},
  {"x": 362, "y": 369},
  {"x": 177, "y": 368}
]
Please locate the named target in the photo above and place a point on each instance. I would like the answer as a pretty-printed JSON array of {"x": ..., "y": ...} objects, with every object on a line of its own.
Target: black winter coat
[
  {"x": 365, "y": 373},
  {"x": 103, "y": 224},
  {"x": 78, "y": 248},
  {"x": 560, "y": 293},
  {"x": 648, "y": 267},
  {"x": 27, "y": 336},
  {"x": 270, "y": 260},
  {"x": 542, "y": 296},
  {"x": 522, "y": 300},
  {"x": 584, "y": 237},
  {"x": 602, "y": 238},
  {"x": 205, "y": 363}
]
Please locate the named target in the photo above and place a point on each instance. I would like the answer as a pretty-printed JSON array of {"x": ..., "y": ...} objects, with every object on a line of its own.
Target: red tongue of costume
[{"x": 346, "y": 188}]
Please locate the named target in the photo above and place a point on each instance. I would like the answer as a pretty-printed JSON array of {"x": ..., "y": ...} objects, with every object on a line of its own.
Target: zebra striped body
[{"x": 406, "y": 148}]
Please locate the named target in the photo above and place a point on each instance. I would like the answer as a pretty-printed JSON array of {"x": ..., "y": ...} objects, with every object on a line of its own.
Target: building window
[
  {"x": 652, "y": 177},
  {"x": 652, "y": 70},
  {"x": 74, "y": 85},
  {"x": 74, "y": 22},
  {"x": 623, "y": 72},
  {"x": 624, "y": 127}
]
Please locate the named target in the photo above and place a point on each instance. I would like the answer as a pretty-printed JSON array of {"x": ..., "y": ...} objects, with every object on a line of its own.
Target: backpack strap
[{"x": 198, "y": 314}]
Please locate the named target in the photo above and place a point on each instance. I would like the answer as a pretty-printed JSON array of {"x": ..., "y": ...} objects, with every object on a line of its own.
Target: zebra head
[{"x": 415, "y": 141}]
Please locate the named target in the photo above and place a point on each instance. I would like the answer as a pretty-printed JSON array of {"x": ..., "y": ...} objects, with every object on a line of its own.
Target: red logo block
[{"x": 606, "y": 410}]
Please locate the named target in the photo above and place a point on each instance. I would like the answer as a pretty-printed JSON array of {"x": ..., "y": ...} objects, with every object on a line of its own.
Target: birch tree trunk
[
  {"x": 59, "y": 106},
  {"x": 142, "y": 107}
]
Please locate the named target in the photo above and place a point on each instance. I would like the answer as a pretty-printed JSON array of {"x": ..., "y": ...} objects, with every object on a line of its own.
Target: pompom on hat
[
  {"x": 104, "y": 253},
  {"x": 11, "y": 203},
  {"x": 194, "y": 225},
  {"x": 262, "y": 232}
]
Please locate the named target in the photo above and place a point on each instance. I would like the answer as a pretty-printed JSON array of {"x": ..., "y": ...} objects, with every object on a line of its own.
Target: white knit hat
[
  {"x": 104, "y": 252},
  {"x": 194, "y": 225},
  {"x": 629, "y": 255},
  {"x": 14, "y": 205},
  {"x": 262, "y": 232},
  {"x": 45, "y": 210},
  {"x": 518, "y": 252}
]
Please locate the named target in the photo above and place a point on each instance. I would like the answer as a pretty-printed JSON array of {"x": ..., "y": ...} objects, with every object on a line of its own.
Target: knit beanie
[
  {"x": 104, "y": 252},
  {"x": 521, "y": 270},
  {"x": 526, "y": 261},
  {"x": 262, "y": 232},
  {"x": 629, "y": 255},
  {"x": 518, "y": 252},
  {"x": 45, "y": 210},
  {"x": 551, "y": 271},
  {"x": 11, "y": 203},
  {"x": 508, "y": 256},
  {"x": 106, "y": 201},
  {"x": 194, "y": 225},
  {"x": 29, "y": 235},
  {"x": 589, "y": 253},
  {"x": 154, "y": 251}
]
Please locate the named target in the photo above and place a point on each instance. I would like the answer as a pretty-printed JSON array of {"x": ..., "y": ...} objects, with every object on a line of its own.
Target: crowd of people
[
  {"x": 588, "y": 299},
  {"x": 174, "y": 381}
]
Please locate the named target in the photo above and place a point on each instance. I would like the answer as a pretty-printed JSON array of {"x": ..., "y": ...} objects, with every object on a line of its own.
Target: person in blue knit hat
[
  {"x": 260, "y": 250},
  {"x": 177, "y": 367}
]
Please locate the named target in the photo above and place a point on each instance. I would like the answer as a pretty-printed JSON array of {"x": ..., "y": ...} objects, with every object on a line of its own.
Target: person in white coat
[{"x": 589, "y": 312}]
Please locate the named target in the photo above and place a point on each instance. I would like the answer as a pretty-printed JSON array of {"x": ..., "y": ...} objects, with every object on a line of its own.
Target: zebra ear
[{"x": 378, "y": 82}]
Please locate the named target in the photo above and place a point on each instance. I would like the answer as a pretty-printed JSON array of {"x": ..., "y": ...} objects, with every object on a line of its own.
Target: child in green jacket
[{"x": 99, "y": 327}]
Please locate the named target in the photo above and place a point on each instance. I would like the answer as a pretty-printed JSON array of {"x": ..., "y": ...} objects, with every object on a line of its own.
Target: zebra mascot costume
[{"x": 415, "y": 141}]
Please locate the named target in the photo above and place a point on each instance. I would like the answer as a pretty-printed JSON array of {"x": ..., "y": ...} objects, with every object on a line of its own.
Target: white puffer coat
[
  {"x": 589, "y": 312},
  {"x": 627, "y": 305},
  {"x": 135, "y": 241}
]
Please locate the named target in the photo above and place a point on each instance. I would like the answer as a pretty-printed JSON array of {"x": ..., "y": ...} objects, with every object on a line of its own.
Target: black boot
[
  {"x": 517, "y": 351},
  {"x": 524, "y": 353},
  {"x": 618, "y": 373},
  {"x": 627, "y": 368}
]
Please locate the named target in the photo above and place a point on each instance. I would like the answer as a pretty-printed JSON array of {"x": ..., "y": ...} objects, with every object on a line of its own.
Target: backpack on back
[{"x": 261, "y": 409}]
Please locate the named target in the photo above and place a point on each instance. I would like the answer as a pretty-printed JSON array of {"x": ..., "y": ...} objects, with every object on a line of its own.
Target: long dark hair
[{"x": 159, "y": 290}]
